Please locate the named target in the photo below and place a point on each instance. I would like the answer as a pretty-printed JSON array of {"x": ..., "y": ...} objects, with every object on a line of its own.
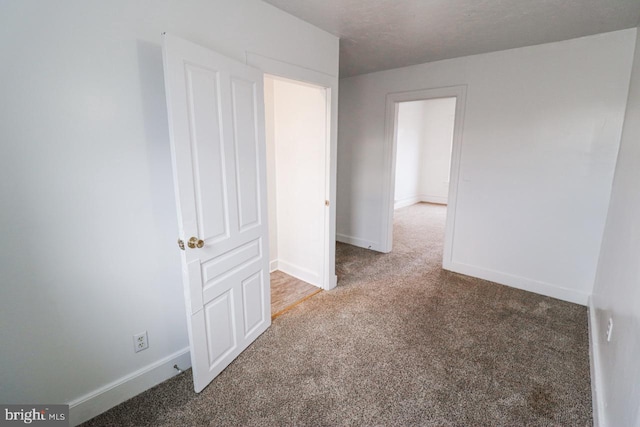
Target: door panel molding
[{"x": 216, "y": 124}]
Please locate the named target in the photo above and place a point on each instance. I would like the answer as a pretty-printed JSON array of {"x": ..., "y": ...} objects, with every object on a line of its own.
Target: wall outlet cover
[{"x": 140, "y": 341}]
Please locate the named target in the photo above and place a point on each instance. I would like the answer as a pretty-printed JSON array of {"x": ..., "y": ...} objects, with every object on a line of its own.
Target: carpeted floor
[{"x": 399, "y": 342}]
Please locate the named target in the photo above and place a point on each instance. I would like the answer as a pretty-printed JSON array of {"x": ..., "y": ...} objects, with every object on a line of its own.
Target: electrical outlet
[
  {"x": 609, "y": 329},
  {"x": 140, "y": 341}
]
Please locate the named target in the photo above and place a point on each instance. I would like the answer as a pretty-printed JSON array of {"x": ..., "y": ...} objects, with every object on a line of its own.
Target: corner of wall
[
  {"x": 333, "y": 282},
  {"x": 361, "y": 243},
  {"x": 106, "y": 397}
]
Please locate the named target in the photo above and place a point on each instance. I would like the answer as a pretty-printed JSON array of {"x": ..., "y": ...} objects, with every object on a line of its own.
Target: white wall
[
  {"x": 299, "y": 169},
  {"x": 410, "y": 139},
  {"x": 540, "y": 136},
  {"x": 88, "y": 254},
  {"x": 423, "y": 151},
  {"x": 616, "y": 292},
  {"x": 439, "y": 116}
]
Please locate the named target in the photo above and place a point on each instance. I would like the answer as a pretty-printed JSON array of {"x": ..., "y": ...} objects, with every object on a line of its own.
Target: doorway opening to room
[
  {"x": 297, "y": 120},
  {"x": 424, "y": 138},
  {"x": 424, "y": 134}
]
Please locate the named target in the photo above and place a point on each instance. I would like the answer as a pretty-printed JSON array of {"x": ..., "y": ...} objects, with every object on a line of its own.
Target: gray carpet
[{"x": 399, "y": 342}]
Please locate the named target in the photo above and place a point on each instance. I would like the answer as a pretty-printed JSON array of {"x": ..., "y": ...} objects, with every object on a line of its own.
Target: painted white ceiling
[{"x": 382, "y": 34}]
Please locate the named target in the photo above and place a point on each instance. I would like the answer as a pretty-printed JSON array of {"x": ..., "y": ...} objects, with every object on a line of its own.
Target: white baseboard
[
  {"x": 429, "y": 198},
  {"x": 299, "y": 273},
  {"x": 420, "y": 198},
  {"x": 596, "y": 370},
  {"x": 333, "y": 283},
  {"x": 408, "y": 201},
  {"x": 288, "y": 268},
  {"x": 361, "y": 243},
  {"x": 110, "y": 395},
  {"x": 518, "y": 282}
]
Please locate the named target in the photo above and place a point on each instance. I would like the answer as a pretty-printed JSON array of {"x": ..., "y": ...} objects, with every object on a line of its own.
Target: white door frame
[
  {"x": 330, "y": 83},
  {"x": 390, "y": 147}
]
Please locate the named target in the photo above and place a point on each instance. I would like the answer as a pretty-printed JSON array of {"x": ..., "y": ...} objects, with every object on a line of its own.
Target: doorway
[
  {"x": 297, "y": 140},
  {"x": 423, "y": 146},
  {"x": 424, "y": 138}
]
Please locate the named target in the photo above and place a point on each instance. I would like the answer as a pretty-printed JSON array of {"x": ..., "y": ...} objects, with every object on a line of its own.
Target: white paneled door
[{"x": 216, "y": 121}]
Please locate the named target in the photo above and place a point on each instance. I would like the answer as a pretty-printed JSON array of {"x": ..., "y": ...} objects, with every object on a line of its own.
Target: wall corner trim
[
  {"x": 595, "y": 365},
  {"x": 106, "y": 397}
]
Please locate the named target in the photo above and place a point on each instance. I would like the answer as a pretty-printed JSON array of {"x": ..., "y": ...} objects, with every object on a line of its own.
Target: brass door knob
[
  {"x": 194, "y": 242},
  {"x": 181, "y": 244}
]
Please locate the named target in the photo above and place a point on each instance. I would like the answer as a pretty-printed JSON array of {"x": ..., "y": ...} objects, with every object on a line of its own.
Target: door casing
[
  {"x": 299, "y": 209},
  {"x": 330, "y": 83},
  {"x": 390, "y": 150}
]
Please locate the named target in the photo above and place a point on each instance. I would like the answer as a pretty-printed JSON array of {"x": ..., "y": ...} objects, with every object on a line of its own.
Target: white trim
[
  {"x": 330, "y": 167},
  {"x": 288, "y": 70},
  {"x": 438, "y": 200},
  {"x": 518, "y": 282},
  {"x": 276, "y": 68},
  {"x": 273, "y": 265},
  {"x": 361, "y": 243},
  {"x": 421, "y": 198},
  {"x": 389, "y": 165},
  {"x": 596, "y": 367},
  {"x": 301, "y": 273},
  {"x": 407, "y": 201},
  {"x": 106, "y": 397}
]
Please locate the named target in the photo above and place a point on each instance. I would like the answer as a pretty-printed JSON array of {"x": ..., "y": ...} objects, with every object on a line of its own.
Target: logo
[{"x": 36, "y": 415}]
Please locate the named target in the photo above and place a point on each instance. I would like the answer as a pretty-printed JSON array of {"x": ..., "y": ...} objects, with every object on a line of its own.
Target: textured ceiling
[{"x": 382, "y": 34}]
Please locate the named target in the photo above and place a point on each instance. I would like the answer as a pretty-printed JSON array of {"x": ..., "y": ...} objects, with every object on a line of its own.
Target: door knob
[
  {"x": 181, "y": 244},
  {"x": 194, "y": 242}
]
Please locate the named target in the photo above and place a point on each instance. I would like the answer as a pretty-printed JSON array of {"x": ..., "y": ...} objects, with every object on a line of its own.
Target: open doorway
[
  {"x": 297, "y": 138},
  {"x": 423, "y": 146},
  {"x": 424, "y": 138}
]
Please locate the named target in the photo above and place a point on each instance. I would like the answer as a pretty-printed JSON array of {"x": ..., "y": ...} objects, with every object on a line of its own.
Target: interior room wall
[
  {"x": 540, "y": 137},
  {"x": 439, "y": 117},
  {"x": 299, "y": 115},
  {"x": 89, "y": 254},
  {"x": 616, "y": 293},
  {"x": 409, "y": 141}
]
